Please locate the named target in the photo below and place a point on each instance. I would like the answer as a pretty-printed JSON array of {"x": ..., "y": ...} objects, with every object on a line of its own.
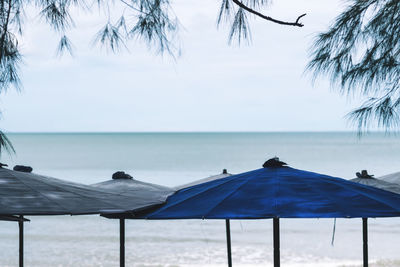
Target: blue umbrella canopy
[{"x": 278, "y": 191}]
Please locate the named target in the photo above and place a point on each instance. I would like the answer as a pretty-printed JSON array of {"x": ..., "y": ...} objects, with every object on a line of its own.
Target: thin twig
[{"x": 296, "y": 23}]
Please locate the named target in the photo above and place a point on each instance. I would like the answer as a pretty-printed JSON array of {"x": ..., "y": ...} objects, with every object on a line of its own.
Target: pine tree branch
[
  {"x": 296, "y": 23},
  {"x": 5, "y": 30}
]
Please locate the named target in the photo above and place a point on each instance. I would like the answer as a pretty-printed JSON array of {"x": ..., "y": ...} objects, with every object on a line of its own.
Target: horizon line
[{"x": 189, "y": 132}]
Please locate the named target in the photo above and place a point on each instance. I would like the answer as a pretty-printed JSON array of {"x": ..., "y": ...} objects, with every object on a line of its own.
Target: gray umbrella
[
  {"x": 204, "y": 180},
  {"x": 391, "y": 178},
  {"x": 124, "y": 184},
  {"x": 227, "y": 222},
  {"x": 367, "y": 179},
  {"x": 129, "y": 183},
  {"x": 24, "y": 193}
]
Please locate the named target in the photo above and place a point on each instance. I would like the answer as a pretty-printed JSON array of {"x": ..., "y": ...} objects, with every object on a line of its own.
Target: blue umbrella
[{"x": 277, "y": 191}]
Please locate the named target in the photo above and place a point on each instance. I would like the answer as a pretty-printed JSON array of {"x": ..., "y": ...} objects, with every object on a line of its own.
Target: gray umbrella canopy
[
  {"x": 365, "y": 178},
  {"x": 124, "y": 184},
  {"x": 204, "y": 180},
  {"x": 392, "y": 178},
  {"x": 24, "y": 193}
]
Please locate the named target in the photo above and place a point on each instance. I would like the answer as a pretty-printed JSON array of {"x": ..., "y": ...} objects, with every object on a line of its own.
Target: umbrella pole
[
  {"x": 277, "y": 261},
  {"x": 365, "y": 242},
  {"x": 21, "y": 240},
  {"x": 122, "y": 242},
  {"x": 228, "y": 242}
]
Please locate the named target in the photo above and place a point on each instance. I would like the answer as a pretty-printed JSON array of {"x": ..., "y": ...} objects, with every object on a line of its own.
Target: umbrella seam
[
  {"x": 330, "y": 178},
  {"x": 371, "y": 197},
  {"x": 330, "y": 197},
  {"x": 128, "y": 192},
  {"x": 222, "y": 200},
  {"x": 20, "y": 180},
  {"x": 99, "y": 200},
  {"x": 164, "y": 188},
  {"x": 199, "y": 193},
  {"x": 77, "y": 185},
  {"x": 390, "y": 176},
  {"x": 380, "y": 183},
  {"x": 77, "y": 194},
  {"x": 202, "y": 181}
]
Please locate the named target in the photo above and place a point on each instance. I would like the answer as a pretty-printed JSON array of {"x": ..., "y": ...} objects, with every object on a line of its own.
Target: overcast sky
[{"x": 211, "y": 87}]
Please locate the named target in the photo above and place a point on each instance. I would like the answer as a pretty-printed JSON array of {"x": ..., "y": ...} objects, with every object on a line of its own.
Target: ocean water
[{"x": 175, "y": 158}]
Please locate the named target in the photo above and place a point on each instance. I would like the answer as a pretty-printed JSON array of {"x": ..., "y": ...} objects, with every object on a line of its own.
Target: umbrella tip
[
  {"x": 224, "y": 171},
  {"x": 3, "y": 165},
  {"x": 121, "y": 175},
  {"x": 274, "y": 163},
  {"x": 364, "y": 174},
  {"x": 22, "y": 168}
]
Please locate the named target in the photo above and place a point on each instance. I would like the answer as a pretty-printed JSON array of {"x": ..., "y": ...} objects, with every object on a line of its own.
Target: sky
[{"x": 212, "y": 86}]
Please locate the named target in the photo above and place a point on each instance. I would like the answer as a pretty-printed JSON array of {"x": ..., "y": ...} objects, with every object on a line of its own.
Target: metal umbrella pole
[
  {"x": 20, "y": 219},
  {"x": 365, "y": 242},
  {"x": 21, "y": 240},
  {"x": 122, "y": 242},
  {"x": 228, "y": 242},
  {"x": 277, "y": 261}
]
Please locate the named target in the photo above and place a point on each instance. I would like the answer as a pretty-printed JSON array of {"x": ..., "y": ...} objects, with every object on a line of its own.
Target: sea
[{"x": 173, "y": 159}]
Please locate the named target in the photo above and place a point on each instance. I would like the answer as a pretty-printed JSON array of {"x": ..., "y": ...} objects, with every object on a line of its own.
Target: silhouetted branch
[
  {"x": 5, "y": 144},
  {"x": 296, "y": 23},
  {"x": 360, "y": 53}
]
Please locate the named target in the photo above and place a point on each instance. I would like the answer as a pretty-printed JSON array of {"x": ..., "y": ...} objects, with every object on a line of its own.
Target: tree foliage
[
  {"x": 5, "y": 144},
  {"x": 151, "y": 21},
  {"x": 360, "y": 52}
]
